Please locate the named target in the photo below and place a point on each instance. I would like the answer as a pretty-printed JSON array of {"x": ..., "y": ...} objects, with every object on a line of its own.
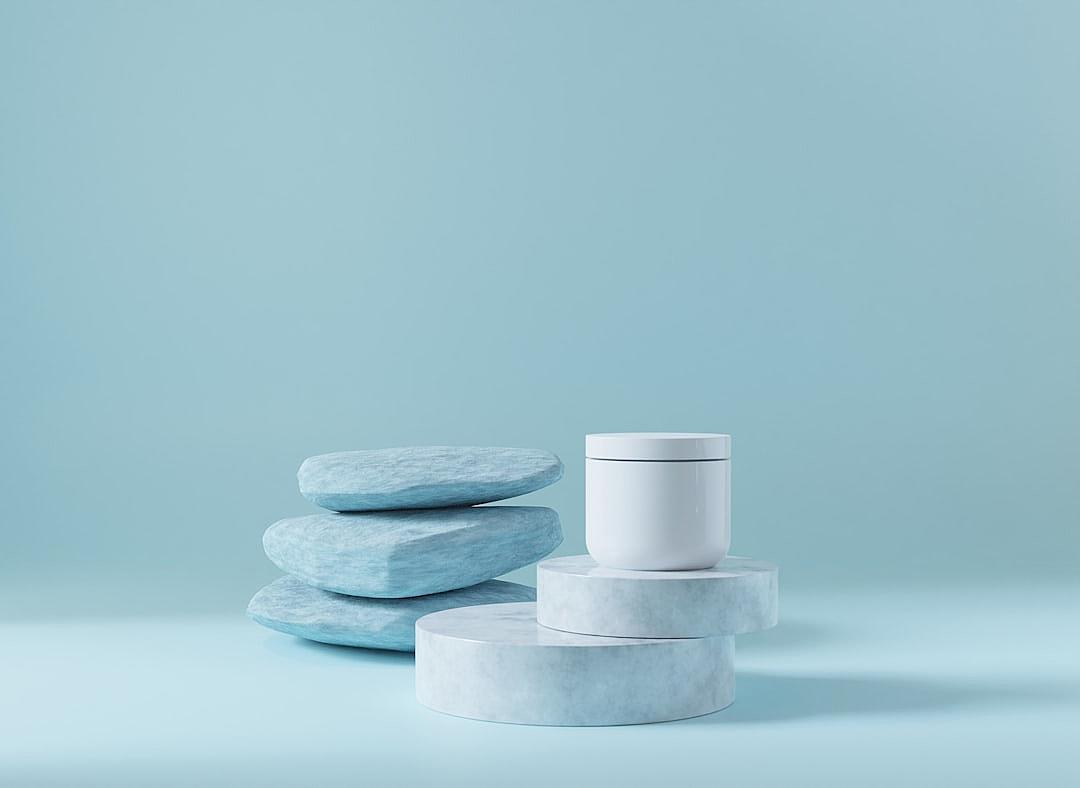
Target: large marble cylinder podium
[
  {"x": 599, "y": 647},
  {"x": 494, "y": 662}
]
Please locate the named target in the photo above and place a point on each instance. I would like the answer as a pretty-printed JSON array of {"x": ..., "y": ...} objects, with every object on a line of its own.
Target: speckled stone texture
[
  {"x": 295, "y": 608},
  {"x": 411, "y": 552},
  {"x": 734, "y": 597},
  {"x": 423, "y": 477},
  {"x": 494, "y": 662}
]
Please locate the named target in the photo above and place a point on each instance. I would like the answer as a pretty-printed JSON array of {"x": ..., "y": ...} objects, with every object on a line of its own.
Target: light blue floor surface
[{"x": 936, "y": 687}]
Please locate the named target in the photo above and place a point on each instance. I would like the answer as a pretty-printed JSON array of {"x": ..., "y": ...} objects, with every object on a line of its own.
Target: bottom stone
[
  {"x": 494, "y": 662},
  {"x": 291, "y": 606}
]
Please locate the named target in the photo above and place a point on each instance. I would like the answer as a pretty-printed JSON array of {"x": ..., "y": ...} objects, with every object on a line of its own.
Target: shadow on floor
[
  {"x": 788, "y": 633},
  {"x": 761, "y": 697},
  {"x": 286, "y": 645}
]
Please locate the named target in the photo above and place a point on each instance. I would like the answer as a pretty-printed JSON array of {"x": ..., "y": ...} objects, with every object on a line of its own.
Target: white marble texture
[
  {"x": 494, "y": 662},
  {"x": 734, "y": 597}
]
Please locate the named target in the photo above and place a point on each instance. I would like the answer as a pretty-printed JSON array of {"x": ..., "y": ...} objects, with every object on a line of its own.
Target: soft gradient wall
[{"x": 236, "y": 234}]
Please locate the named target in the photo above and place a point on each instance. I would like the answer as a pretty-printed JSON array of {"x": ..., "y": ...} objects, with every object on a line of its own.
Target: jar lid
[{"x": 658, "y": 446}]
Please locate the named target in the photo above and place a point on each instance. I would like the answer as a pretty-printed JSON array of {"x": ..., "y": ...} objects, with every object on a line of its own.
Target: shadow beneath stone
[
  {"x": 788, "y": 633},
  {"x": 763, "y": 697},
  {"x": 287, "y": 645}
]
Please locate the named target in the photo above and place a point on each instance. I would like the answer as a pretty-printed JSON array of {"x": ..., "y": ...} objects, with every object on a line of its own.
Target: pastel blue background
[{"x": 236, "y": 234}]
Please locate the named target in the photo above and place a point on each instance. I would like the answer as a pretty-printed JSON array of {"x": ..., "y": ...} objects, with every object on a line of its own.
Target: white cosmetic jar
[{"x": 658, "y": 500}]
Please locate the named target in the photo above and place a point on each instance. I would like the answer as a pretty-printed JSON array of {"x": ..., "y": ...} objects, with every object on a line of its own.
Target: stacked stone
[{"x": 404, "y": 537}]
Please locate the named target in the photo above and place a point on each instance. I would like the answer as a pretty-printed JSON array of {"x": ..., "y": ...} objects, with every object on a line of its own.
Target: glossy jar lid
[{"x": 658, "y": 446}]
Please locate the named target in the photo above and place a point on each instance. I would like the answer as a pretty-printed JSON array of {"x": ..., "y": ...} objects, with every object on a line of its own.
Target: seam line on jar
[{"x": 626, "y": 459}]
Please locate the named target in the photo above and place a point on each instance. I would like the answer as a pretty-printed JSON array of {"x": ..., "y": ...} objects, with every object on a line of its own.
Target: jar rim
[{"x": 658, "y": 446}]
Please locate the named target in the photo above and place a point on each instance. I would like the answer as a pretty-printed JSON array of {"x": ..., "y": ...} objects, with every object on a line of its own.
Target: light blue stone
[
  {"x": 496, "y": 663},
  {"x": 411, "y": 552},
  {"x": 424, "y": 477},
  {"x": 295, "y": 608}
]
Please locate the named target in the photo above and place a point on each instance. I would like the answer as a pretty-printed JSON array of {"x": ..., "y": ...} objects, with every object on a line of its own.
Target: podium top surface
[{"x": 586, "y": 566}]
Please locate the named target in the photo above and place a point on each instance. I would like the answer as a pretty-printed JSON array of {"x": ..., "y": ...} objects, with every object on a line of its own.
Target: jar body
[{"x": 657, "y": 515}]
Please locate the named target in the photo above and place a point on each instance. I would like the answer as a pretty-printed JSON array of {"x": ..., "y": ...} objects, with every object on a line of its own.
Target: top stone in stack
[{"x": 424, "y": 477}]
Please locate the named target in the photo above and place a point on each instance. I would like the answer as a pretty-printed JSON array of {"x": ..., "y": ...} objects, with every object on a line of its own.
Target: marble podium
[
  {"x": 734, "y": 597},
  {"x": 494, "y": 662},
  {"x": 599, "y": 646}
]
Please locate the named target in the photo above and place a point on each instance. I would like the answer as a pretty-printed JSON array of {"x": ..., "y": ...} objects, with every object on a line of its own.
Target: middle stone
[{"x": 411, "y": 552}]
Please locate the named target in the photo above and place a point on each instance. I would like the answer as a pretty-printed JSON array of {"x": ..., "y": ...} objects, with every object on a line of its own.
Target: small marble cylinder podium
[
  {"x": 494, "y": 662},
  {"x": 736, "y": 596}
]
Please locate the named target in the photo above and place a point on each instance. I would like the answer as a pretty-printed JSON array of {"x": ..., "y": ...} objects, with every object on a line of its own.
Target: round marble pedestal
[
  {"x": 494, "y": 662},
  {"x": 734, "y": 597}
]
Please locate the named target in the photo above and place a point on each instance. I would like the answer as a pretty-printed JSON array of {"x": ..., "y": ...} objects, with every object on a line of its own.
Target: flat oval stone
[
  {"x": 496, "y": 663},
  {"x": 411, "y": 552},
  {"x": 291, "y": 606},
  {"x": 423, "y": 477},
  {"x": 734, "y": 597}
]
